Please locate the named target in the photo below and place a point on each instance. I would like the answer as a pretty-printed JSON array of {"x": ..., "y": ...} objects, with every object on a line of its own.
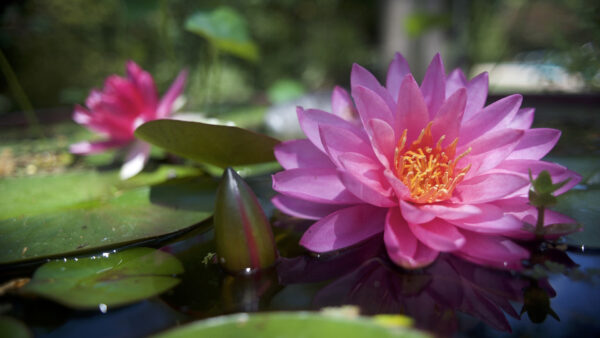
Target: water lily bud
[{"x": 243, "y": 235}]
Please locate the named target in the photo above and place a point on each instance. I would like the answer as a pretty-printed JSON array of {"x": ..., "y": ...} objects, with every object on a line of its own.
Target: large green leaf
[
  {"x": 290, "y": 324},
  {"x": 28, "y": 196},
  {"x": 124, "y": 217},
  {"x": 106, "y": 280},
  {"x": 226, "y": 29},
  {"x": 37, "y": 195},
  {"x": 222, "y": 146}
]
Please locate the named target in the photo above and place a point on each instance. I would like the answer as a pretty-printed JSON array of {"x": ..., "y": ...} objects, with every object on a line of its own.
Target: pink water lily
[
  {"x": 119, "y": 108},
  {"x": 430, "y": 166}
]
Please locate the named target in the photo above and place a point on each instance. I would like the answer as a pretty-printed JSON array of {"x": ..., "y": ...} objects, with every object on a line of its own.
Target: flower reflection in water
[{"x": 432, "y": 296}]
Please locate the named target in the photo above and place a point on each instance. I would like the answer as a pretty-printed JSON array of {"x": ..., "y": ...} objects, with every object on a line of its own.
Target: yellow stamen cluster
[{"x": 428, "y": 171}]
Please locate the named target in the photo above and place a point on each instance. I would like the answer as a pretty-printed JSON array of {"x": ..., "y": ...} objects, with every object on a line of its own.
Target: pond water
[{"x": 557, "y": 295}]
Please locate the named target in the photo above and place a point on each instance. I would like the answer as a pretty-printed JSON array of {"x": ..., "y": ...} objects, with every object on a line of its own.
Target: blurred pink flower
[
  {"x": 119, "y": 108},
  {"x": 429, "y": 166}
]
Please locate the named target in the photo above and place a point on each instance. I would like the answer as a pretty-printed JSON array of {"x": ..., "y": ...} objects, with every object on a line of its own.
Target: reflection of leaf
[
  {"x": 219, "y": 145},
  {"x": 101, "y": 223},
  {"x": 293, "y": 324},
  {"x": 226, "y": 29},
  {"x": 107, "y": 280}
]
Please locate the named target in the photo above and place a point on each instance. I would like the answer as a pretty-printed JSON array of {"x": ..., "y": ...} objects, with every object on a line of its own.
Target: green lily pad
[
  {"x": 101, "y": 223},
  {"x": 226, "y": 29},
  {"x": 37, "y": 195},
  {"x": 222, "y": 146},
  {"x": 106, "y": 280},
  {"x": 290, "y": 324},
  {"x": 28, "y": 196}
]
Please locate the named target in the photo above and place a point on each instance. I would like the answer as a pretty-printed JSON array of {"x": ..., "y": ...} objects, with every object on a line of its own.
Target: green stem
[
  {"x": 539, "y": 227},
  {"x": 19, "y": 95}
]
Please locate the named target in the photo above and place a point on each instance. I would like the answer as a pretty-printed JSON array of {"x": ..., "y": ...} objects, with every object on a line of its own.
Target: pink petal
[
  {"x": 87, "y": 148},
  {"x": 165, "y": 107},
  {"x": 477, "y": 90},
  {"x": 344, "y": 228},
  {"x": 536, "y": 143},
  {"x": 490, "y": 150},
  {"x": 84, "y": 117},
  {"x": 402, "y": 246},
  {"x": 116, "y": 127},
  {"x": 519, "y": 207},
  {"x": 438, "y": 235},
  {"x": 492, "y": 221},
  {"x": 383, "y": 140},
  {"x": 414, "y": 214},
  {"x": 300, "y": 154},
  {"x": 124, "y": 93},
  {"x": 556, "y": 171},
  {"x": 342, "y": 105},
  {"x": 135, "y": 160},
  {"x": 400, "y": 189},
  {"x": 434, "y": 85},
  {"x": 338, "y": 141},
  {"x": 447, "y": 122},
  {"x": 363, "y": 178},
  {"x": 496, "y": 115},
  {"x": 396, "y": 72},
  {"x": 523, "y": 119},
  {"x": 489, "y": 187},
  {"x": 144, "y": 83},
  {"x": 412, "y": 111},
  {"x": 311, "y": 119},
  {"x": 304, "y": 209},
  {"x": 371, "y": 105},
  {"x": 363, "y": 78},
  {"x": 313, "y": 185},
  {"x": 452, "y": 211},
  {"x": 491, "y": 251},
  {"x": 455, "y": 81}
]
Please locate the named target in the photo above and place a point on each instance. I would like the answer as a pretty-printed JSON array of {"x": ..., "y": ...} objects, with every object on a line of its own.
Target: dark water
[{"x": 452, "y": 297}]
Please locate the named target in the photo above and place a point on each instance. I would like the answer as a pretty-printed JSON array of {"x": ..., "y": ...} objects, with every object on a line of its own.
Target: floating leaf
[
  {"x": 222, "y": 146},
  {"x": 291, "y": 324},
  {"x": 37, "y": 195},
  {"x": 106, "y": 280},
  {"x": 226, "y": 29},
  {"x": 243, "y": 235},
  {"x": 127, "y": 217},
  {"x": 28, "y": 196}
]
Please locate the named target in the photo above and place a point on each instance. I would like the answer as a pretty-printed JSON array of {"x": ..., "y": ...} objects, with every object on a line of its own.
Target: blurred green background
[{"x": 237, "y": 50}]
